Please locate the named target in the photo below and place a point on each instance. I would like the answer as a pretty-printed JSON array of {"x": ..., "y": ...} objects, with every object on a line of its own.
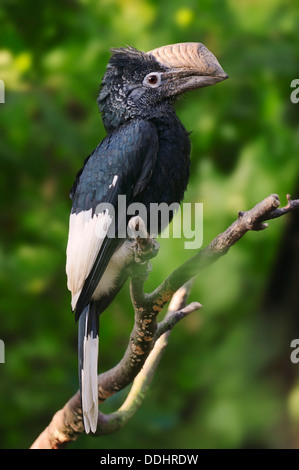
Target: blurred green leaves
[{"x": 226, "y": 379}]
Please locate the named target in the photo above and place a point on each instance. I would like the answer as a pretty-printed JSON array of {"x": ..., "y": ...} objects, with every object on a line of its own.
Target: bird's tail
[{"x": 88, "y": 346}]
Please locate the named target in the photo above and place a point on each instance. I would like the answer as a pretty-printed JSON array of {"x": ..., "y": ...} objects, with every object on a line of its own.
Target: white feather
[
  {"x": 114, "y": 181},
  {"x": 89, "y": 380},
  {"x": 86, "y": 234},
  {"x": 120, "y": 259}
]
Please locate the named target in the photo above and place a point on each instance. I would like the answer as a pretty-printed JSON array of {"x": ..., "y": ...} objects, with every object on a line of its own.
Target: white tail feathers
[{"x": 89, "y": 381}]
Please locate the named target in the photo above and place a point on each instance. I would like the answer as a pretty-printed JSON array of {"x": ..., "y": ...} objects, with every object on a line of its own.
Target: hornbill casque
[{"x": 145, "y": 157}]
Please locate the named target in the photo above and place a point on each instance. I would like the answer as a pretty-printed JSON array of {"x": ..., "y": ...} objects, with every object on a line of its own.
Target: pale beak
[{"x": 189, "y": 65}]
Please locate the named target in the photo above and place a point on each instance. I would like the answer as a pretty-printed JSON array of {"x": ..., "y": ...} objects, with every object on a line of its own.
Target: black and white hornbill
[{"x": 144, "y": 157}]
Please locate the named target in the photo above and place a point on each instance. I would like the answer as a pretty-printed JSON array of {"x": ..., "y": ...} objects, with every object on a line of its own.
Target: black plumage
[{"x": 144, "y": 157}]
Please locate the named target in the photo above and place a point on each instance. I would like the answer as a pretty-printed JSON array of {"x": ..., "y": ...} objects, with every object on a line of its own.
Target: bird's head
[{"x": 141, "y": 84}]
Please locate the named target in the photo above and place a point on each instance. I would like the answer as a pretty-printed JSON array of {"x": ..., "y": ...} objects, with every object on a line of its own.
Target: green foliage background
[{"x": 226, "y": 379}]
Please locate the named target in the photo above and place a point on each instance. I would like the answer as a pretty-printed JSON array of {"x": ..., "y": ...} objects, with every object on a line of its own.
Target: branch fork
[{"x": 149, "y": 337}]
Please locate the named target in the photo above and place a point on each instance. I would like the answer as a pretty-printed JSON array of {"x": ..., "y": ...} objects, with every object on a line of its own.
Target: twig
[
  {"x": 148, "y": 339},
  {"x": 112, "y": 422},
  {"x": 253, "y": 219}
]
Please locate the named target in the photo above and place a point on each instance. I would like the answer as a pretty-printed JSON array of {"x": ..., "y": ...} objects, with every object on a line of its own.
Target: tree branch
[
  {"x": 252, "y": 220},
  {"x": 149, "y": 338},
  {"x": 177, "y": 310}
]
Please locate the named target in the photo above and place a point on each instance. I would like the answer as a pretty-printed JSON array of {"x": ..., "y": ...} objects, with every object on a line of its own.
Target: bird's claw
[
  {"x": 144, "y": 246},
  {"x": 145, "y": 249}
]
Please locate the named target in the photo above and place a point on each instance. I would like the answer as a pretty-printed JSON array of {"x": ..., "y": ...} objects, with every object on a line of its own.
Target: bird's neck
[{"x": 114, "y": 115}]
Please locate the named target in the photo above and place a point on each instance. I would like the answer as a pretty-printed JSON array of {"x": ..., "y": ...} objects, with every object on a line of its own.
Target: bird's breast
[{"x": 172, "y": 169}]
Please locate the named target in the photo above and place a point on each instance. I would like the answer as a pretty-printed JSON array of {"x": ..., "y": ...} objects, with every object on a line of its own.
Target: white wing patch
[{"x": 86, "y": 235}]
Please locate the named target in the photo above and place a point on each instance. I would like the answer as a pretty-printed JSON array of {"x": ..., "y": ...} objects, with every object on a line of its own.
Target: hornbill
[{"x": 144, "y": 157}]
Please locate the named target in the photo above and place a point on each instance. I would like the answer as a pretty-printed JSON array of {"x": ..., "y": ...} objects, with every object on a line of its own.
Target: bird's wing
[{"x": 121, "y": 165}]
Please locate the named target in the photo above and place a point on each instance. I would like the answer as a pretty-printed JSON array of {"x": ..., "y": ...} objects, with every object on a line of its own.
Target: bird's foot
[{"x": 144, "y": 248}]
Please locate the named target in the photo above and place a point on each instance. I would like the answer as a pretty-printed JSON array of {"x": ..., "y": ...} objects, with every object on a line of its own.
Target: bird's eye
[{"x": 152, "y": 80}]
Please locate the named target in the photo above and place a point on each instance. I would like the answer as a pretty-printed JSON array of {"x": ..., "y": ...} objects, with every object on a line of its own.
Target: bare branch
[
  {"x": 172, "y": 318},
  {"x": 290, "y": 207},
  {"x": 112, "y": 422},
  {"x": 149, "y": 339},
  {"x": 251, "y": 220}
]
